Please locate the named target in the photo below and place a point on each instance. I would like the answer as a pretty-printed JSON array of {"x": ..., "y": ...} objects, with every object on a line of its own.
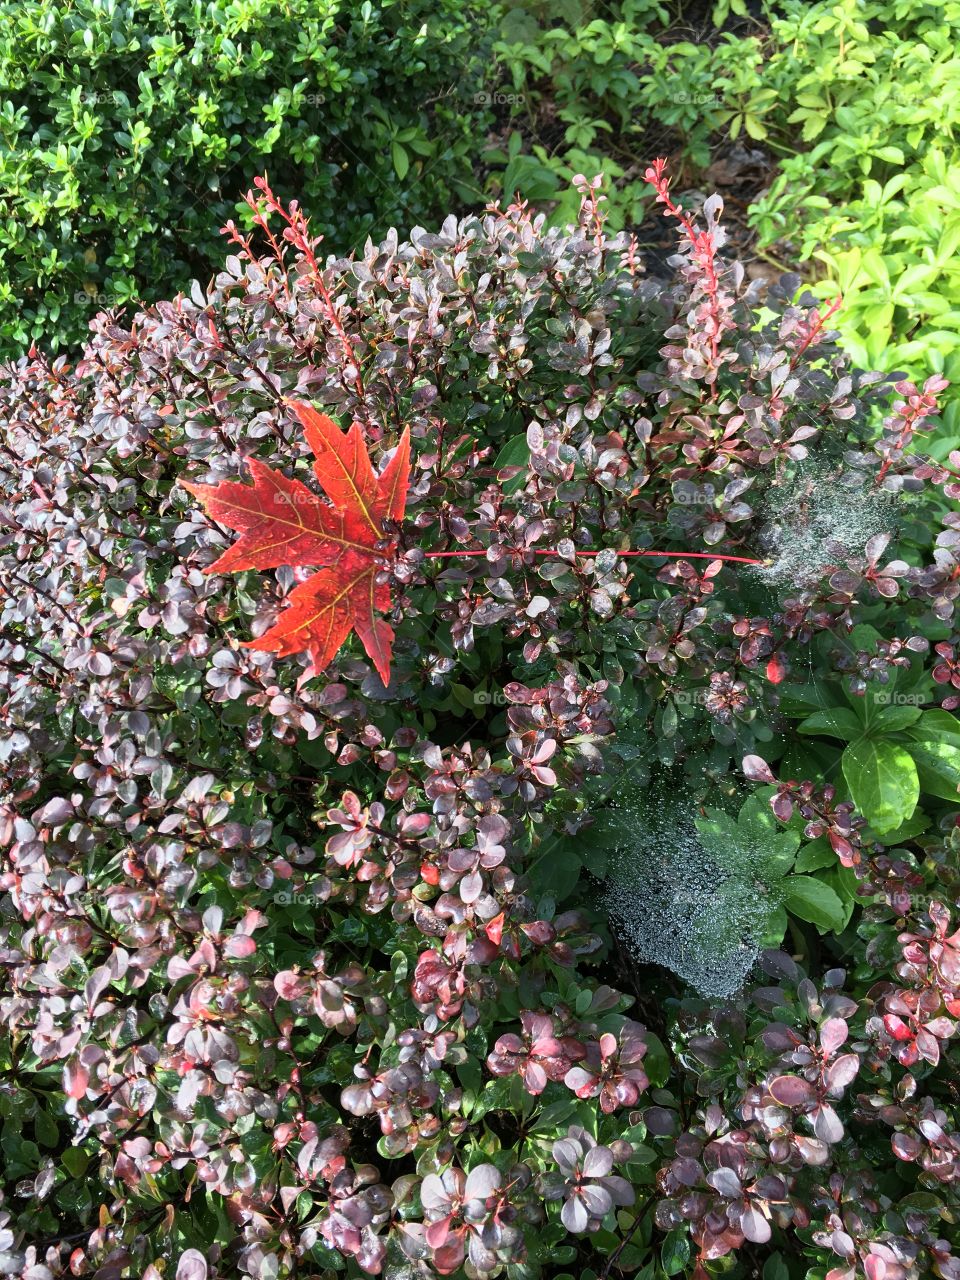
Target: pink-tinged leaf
[
  {"x": 547, "y": 776},
  {"x": 437, "y": 1232},
  {"x": 596, "y": 1198},
  {"x": 833, "y": 1034},
  {"x": 949, "y": 965},
  {"x": 178, "y": 967},
  {"x": 928, "y": 1047},
  {"x": 95, "y": 986},
  {"x": 812, "y": 1150},
  {"x": 192, "y": 1266},
  {"x": 252, "y": 920},
  {"x": 842, "y": 848},
  {"x": 290, "y": 985},
  {"x": 756, "y": 769},
  {"x": 239, "y": 946},
  {"x": 826, "y": 1124},
  {"x": 906, "y": 1146},
  {"x": 534, "y": 1078},
  {"x": 213, "y": 920},
  {"x": 545, "y": 751},
  {"x": 471, "y": 887},
  {"x": 538, "y": 1026},
  {"x": 449, "y": 1257},
  {"x": 494, "y": 929},
  {"x": 433, "y": 1194},
  {"x": 289, "y": 1196},
  {"x": 76, "y": 1077},
  {"x": 875, "y": 546},
  {"x": 583, "y": 1083},
  {"x": 414, "y": 824},
  {"x": 686, "y": 1171},
  {"x": 55, "y": 813},
  {"x": 598, "y": 1162},
  {"x": 842, "y": 1244},
  {"x": 726, "y": 1182},
  {"x": 776, "y": 668},
  {"x": 482, "y": 1182},
  {"x": 574, "y": 1216},
  {"x": 755, "y": 1226},
  {"x": 842, "y": 1072},
  {"x": 942, "y": 1028},
  {"x": 608, "y": 1046},
  {"x": 781, "y": 806},
  {"x": 931, "y": 1130},
  {"x": 940, "y": 915},
  {"x": 792, "y": 1091},
  {"x": 874, "y": 1268}
]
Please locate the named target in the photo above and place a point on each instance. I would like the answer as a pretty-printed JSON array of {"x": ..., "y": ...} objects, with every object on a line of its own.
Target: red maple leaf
[{"x": 281, "y": 522}]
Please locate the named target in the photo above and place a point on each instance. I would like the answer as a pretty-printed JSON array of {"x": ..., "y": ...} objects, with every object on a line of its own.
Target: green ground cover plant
[
  {"x": 587, "y": 88},
  {"x": 860, "y": 99}
]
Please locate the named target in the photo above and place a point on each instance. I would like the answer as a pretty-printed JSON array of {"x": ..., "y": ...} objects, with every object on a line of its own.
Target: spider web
[{"x": 676, "y": 904}]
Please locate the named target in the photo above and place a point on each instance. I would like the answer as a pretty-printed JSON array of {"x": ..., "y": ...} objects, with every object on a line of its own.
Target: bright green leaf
[{"x": 883, "y": 782}]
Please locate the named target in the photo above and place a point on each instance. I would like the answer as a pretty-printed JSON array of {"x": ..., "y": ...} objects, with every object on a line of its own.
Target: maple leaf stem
[{"x": 670, "y": 555}]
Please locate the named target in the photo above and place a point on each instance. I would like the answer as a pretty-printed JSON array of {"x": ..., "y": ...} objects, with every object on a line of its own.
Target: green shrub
[
  {"x": 129, "y": 130},
  {"x": 893, "y": 254},
  {"x": 865, "y": 94}
]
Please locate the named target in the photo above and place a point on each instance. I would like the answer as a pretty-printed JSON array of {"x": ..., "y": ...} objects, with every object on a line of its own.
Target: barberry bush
[{"x": 307, "y": 974}]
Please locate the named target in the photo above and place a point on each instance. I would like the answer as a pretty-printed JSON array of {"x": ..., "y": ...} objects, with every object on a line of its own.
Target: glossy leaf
[{"x": 883, "y": 782}]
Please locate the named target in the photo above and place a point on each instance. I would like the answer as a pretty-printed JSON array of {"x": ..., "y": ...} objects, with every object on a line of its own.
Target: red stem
[
  {"x": 817, "y": 327},
  {"x": 299, "y": 228},
  {"x": 701, "y": 244},
  {"x": 670, "y": 555}
]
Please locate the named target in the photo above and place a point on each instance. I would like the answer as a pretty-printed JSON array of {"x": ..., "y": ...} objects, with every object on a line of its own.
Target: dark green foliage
[{"x": 130, "y": 130}]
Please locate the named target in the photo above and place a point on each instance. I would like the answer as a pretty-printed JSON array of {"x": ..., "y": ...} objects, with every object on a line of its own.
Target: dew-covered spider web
[
  {"x": 701, "y": 914},
  {"x": 817, "y": 516}
]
